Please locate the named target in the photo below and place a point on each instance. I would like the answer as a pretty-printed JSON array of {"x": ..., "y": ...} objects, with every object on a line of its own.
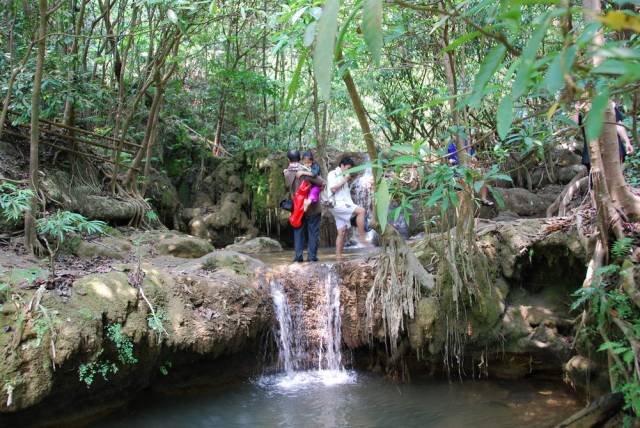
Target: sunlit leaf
[
  {"x": 383, "y": 198},
  {"x": 372, "y": 27},
  {"x": 505, "y": 116},
  {"x": 461, "y": 40},
  {"x": 487, "y": 69},
  {"x": 309, "y": 34},
  {"x": 325, "y": 44},
  {"x": 618, "y": 20},
  {"x": 172, "y": 16},
  {"x": 595, "y": 118},
  {"x": 295, "y": 79}
]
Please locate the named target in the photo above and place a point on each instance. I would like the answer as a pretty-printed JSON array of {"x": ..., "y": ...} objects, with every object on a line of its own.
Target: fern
[{"x": 622, "y": 247}]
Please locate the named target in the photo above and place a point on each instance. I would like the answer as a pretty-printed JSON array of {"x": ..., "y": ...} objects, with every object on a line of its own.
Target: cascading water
[
  {"x": 309, "y": 343},
  {"x": 330, "y": 356},
  {"x": 362, "y": 192}
]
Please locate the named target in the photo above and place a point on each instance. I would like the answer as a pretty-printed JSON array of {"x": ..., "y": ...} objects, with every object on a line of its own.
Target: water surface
[{"x": 360, "y": 400}]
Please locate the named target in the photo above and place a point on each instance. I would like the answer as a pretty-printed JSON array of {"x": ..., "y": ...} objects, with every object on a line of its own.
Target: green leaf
[
  {"x": 325, "y": 44},
  {"x": 461, "y": 40},
  {"x": 497, "y": 196},
  {"x": 487, "y": 69},
  {"x": 554, "y": 80},
  {"x": 382, "y": 203},
  {"x": 505, "y": 116},
  {"x": 372, "y": 27},
  {"x": 527, "y": 58},
  {"x": 295, "y": 79},
  {"x": 595, "y": 118}
]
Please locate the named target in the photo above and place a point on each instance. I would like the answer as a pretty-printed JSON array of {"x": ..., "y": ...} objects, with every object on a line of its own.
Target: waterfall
[
  {"x": 362, "y": 188},
  {"x": 309, "y": 342},
  {"x": 330, "y": 354},
  {"x": 285, "y": 325}
]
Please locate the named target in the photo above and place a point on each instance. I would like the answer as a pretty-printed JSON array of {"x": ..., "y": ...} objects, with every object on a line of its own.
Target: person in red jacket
[{"x": 294, "y": 176}]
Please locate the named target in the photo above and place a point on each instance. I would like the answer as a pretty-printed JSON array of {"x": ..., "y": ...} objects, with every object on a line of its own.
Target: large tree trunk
[{"x": 31, "y": 241}]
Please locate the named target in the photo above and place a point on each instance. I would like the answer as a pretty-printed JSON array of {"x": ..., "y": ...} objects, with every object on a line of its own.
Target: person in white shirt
[{"x": 344, "y": 208}]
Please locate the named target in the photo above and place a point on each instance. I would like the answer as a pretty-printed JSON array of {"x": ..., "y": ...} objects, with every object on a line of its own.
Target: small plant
[
  {"x": 123, "y": 344},
  {"x": 54, "y": 228},
  {"x": 87, "y": 372},
  {"x": 151, "y": 215},
  {"x": 622, "y": 247},
  {"x": 164, "y": 368},
  {"x": 13, "y": 201},
  {"x": 104, "y": 367},
  {"x": 155, "y": 321}
]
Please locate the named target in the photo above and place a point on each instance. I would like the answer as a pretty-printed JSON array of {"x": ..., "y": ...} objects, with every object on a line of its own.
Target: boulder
[
  {"x": 566, "y": 173},
  {"x": 185, "y": 246},
  {"x": 236, "y": 262},
  {"x": 110, "y": 247},
  {"x": 523, "y": 202},
  {"x": 258, "y": 245}
]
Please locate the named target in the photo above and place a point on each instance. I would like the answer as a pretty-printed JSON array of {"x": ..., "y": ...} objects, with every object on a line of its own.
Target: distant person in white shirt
[{"x": 344, "y": 208}]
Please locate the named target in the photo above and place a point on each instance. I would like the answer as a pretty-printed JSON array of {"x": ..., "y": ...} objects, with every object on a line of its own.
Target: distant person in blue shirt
[{"x": 452, "y": 157}]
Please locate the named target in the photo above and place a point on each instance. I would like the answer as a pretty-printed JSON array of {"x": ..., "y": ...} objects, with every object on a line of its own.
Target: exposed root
[
  {"x": 578, "y": 184},
  {"x": 396, "y": 287}
]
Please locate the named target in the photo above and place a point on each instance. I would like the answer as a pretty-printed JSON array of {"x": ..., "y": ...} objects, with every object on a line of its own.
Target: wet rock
[
  {"x": 420, "y": 330},
  {"x": 597, "y": 414},
  {"x": 586, "y": 375},
  {"x": 257, "y": 245}
]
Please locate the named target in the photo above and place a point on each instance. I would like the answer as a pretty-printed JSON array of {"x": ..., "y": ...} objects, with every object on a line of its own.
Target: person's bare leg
[
  {"x": 340, "y": 242},
  {"x": 360, "y": 213}
]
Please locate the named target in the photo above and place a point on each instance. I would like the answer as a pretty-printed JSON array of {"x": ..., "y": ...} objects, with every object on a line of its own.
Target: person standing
[
  {"x": 294, "y": 175},
  {"x": 344, "y": 208}
]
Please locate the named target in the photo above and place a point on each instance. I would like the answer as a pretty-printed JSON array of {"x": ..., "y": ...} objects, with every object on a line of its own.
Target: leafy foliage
[{"x": 13, "y": 200}]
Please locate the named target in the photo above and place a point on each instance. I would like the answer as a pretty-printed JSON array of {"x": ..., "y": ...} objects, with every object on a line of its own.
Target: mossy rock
[
  {"x": 257, "y": 245},
  {"x": 231, "y": 260},
  {"x": 184, "y": 246},
  {"x": 111, "y": 248}
]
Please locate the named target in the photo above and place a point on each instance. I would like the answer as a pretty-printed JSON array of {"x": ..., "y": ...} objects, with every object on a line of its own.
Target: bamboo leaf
[
  {"x": 382, "y": 204},
  {"x": 553, "y": 80},
  {"x": 461, "y": 40},
  {"x": 487, "y": 69},
  {"x": 505, "y": 116},
  {"x": 595, "y": 118},
  {"x": 372, "y": 27},
  {"x": 325, "y": 44},
  {"x": 295, "y": 79},
  {"x": 309, "y": 34}
]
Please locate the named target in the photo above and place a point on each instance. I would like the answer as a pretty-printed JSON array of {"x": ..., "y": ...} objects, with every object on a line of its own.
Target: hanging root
[
  {"x": 578, "y": 184},
  {"x": 396, "y": 287}
]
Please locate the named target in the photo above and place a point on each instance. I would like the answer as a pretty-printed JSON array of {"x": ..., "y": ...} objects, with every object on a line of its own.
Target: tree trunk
[
  {"x": 360, "y": 111},
  {"x": 31, "y": 241},
  {"x": 69, "y": 105}
]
